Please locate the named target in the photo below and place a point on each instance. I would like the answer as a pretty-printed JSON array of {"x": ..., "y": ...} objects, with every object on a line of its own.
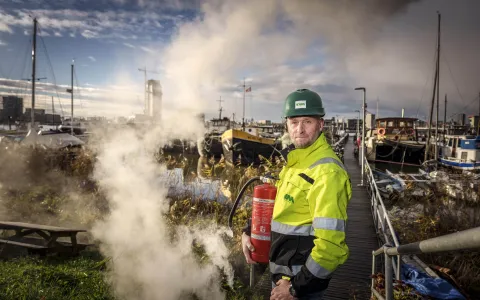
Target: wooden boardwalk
[{"x": 352, "y": 280}]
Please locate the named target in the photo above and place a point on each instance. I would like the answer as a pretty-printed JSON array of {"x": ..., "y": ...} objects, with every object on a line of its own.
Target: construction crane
[{"x": 144, "y": 70}]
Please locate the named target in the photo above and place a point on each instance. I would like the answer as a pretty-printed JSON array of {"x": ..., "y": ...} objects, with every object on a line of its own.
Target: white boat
[{"x": 461, "y": 152}]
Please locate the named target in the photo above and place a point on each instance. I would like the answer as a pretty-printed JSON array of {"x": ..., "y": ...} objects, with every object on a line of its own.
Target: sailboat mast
[
  {"x": 438, "y": 88},
  {"x": 243, "y": 118},
  {"x": 429, "y": 133},
  {"x": 71, "y": 122},
  {"x": 445, "y": 119},
  {"x": 34, "y": 58}
]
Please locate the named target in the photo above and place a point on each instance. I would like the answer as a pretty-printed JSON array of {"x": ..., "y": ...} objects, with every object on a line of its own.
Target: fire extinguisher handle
[{"x": 239, "y": 197}]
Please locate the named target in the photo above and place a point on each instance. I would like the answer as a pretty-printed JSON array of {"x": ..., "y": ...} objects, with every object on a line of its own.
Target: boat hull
[
  {"x": 400, "y": 151},
  {"x": 210, "y": 146},
  {"x": 243, "y": 148},
  {"x": 460, "y": 165}
]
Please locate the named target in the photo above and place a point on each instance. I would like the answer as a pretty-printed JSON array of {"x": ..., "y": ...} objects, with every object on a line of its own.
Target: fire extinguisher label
[
  {"x": 264, "y": 200},
  {"x": 260, "y": 237},
  {"x": 262, "y": 218}
]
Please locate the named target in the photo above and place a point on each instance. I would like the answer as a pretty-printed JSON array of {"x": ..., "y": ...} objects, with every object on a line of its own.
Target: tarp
[{"x": 437, "y": 288}]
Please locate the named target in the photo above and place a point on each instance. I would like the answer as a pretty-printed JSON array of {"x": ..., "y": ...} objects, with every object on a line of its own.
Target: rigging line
[
  {"x": 53, "y": 74},
  {"x": 78, "y": 88},
  {"x": 426, "y": 81},
  {"x": 453, "y": 79}
]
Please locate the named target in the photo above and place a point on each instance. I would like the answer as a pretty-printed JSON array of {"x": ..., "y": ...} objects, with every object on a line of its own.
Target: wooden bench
[{"x": 42, "y": 237}]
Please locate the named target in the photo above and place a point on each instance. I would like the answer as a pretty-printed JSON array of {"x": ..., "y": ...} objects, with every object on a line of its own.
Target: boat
[
  {"x": 386, "y": 184},
  {"x": 240, "y": 147},
  {"x": 52, "y": 139},
  {"x": 252, "y": 143},
  {"x": 395, "y": 139},
  {"x": 460, "y": 152},
  {"x": 210, "y": 145}
]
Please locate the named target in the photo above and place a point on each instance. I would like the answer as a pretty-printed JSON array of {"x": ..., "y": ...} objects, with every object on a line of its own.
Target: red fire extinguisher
[{"x": 262, "y": 210}]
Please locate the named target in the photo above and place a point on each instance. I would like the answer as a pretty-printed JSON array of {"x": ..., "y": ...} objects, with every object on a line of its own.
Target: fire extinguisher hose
[{"x": 239, "y": 197}]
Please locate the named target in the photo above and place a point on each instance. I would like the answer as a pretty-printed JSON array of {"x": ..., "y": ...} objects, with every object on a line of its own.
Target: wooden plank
[
  {"x": 25, "y": 245},
  {"x": 21, "y": 225}
]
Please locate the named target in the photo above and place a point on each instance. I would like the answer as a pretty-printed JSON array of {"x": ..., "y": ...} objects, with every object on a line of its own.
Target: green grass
[{"x": 53, "y": 278}]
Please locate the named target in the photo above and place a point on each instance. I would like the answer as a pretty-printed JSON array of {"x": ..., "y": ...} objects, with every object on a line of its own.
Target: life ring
[
  {"x": 411, "y": 131},
  {"x": 381, "y": 131}
]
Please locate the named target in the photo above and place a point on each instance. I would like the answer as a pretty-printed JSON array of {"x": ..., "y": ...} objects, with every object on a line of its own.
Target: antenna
[{"x": 220, "y": 107}]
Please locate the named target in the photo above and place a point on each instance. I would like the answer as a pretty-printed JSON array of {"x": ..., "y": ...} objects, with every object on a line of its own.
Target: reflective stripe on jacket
[{"x": 309, "y": 218}]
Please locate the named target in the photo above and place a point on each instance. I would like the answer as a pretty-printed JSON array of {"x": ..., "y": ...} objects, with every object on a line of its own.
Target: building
[
  {"x": 265, "y": 122},
  {"x": 153, "y": 107},
  {"x": 369, "y": 121},
  {"x": 51, "y": 119},
  {"x": 460, "y": 119},
  {"x": 474, "y": 123},
  {"x": 12, "y": 108},
  {"x": 39, "y": 115},
  {"x": 352, "y": 124}
]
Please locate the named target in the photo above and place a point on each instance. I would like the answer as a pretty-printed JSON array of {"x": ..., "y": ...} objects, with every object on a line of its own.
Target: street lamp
[{"x": 364, "y": 108}]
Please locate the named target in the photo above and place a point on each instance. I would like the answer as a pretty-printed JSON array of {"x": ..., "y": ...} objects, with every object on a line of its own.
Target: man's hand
[
  {"x": 281, "y": 291},
  {"x": 247, "y": 247}
]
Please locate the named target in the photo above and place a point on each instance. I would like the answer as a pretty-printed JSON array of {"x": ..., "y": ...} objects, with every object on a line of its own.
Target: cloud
[
  {"x": 2, "y": 43},
  {"x": 58, "y": 34},
  {"x": 332, "y": 47},
  {"x": 91, "y": 23},
  {"x": 89, "y": 100},
  {"x": 88, "y": 34},
  {"x": 5, "y": 28},
  {"x": 146, "y": 49},
  {"x": 92, "y": 58},
  {"x": 129, "y": 45}
]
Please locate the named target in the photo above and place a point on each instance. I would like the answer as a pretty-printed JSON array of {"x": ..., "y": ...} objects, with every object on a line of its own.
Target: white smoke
[{"x": 147, "y": 263}]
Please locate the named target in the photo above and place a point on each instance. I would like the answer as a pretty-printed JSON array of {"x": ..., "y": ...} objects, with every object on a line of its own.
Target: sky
[{"x": 202, "y": 50}]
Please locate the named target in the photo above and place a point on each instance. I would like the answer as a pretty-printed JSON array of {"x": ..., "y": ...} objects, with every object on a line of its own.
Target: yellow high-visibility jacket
[{"x": 309, "y": 218}]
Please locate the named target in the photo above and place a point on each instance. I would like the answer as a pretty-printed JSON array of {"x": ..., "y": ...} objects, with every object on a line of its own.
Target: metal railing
[
  {"x": 462, "y": 240},
  {"x": 383, "y": 225}
]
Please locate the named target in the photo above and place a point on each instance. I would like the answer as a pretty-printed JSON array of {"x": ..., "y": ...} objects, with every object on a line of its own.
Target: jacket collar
[{"x": 294, "y": 155}]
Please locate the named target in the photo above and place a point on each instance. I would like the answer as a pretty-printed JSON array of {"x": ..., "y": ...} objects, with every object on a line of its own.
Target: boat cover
[{"x": 438, "y": 288}]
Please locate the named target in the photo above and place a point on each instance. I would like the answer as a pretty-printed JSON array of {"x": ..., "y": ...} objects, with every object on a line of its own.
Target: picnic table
[{"x": 42, "y": 238}]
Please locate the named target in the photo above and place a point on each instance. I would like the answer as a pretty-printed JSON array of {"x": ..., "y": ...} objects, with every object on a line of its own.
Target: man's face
[{"x": 304, "y": 131}]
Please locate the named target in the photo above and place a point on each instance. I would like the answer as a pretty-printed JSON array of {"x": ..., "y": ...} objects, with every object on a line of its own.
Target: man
[{"x": 310, "y": 213}]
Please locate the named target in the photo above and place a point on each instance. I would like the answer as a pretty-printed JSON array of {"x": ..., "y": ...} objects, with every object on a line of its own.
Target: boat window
[
  {"x": 382, "y": 124},
  {"x": 464, "y": 155},
  {"x": 402, "y": 124},
  {"x": 458, "y": 142},
  {"x": 409, "y": 124},
  {"x": 449, "y": 142},
  {"x": 390, "y": 124}
]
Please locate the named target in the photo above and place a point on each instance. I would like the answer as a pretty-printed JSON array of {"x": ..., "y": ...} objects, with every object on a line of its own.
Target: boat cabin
[
  {"x": 396, "y": 128},
  {"x": 218, "y": 125},
  {"x": 461, "y": 152}
]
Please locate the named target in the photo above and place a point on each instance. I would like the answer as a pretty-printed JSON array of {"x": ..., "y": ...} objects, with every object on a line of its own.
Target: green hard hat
[{"x": 303, "y": 102}]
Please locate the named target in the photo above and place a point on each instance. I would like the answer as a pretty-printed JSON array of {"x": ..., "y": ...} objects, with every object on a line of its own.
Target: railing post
[
  {"x": 372, "y": 285},
  {"x": 399, "y": 266},
  {"x": 388, "y": 277}
]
